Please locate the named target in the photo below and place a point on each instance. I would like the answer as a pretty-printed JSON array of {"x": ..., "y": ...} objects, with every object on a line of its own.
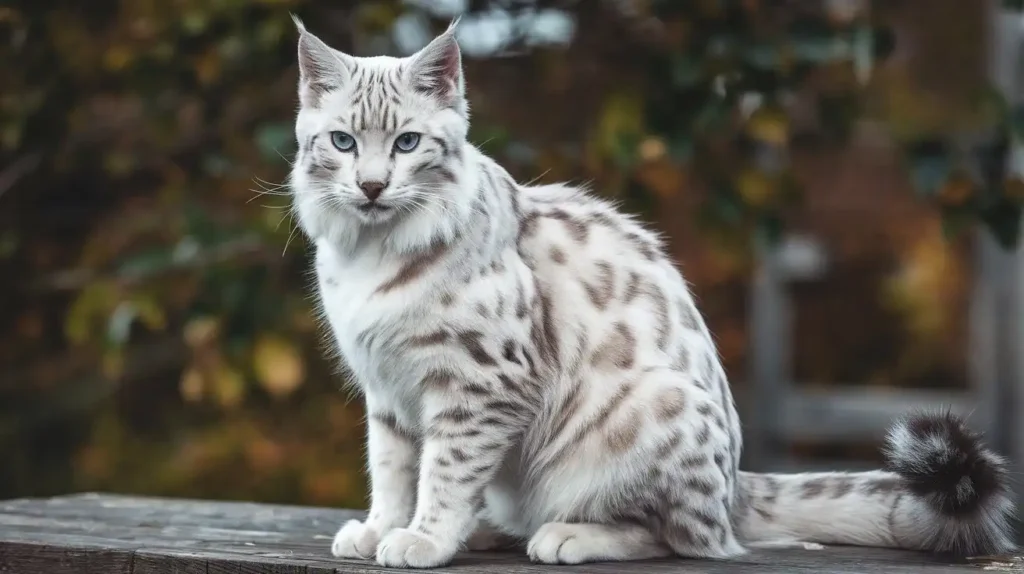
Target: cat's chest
[{"x": 365, "y": 322}]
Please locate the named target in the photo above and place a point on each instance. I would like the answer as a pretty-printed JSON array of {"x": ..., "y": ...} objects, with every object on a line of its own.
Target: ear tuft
[
  {"x": 298, "y": 23},
  {"x": 437, "y": 69},
  {"x": 321, "y": 68}
]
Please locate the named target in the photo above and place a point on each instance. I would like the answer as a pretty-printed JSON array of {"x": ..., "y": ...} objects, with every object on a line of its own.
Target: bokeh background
[{"x": 836, "y": 178}]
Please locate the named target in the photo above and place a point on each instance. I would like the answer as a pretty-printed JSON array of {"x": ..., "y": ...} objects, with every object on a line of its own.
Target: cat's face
[{"x": 379, "y": 138}]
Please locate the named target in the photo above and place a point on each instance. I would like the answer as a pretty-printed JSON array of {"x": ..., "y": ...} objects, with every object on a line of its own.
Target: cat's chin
[{"x": 375, "y": 214}]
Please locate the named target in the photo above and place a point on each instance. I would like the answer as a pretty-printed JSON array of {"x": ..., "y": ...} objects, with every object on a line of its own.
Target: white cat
[{"x": 534, "y": 366}]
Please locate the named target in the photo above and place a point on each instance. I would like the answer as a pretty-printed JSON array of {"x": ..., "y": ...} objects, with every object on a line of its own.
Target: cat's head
[{"x": 380, "y": 141}]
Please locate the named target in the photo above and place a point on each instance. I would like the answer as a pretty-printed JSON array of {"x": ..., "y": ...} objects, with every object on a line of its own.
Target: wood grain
[{"x": 110, "y": 534}]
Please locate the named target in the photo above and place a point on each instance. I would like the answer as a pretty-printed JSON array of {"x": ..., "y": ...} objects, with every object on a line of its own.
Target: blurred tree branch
[{"x": 246, "y": 250}]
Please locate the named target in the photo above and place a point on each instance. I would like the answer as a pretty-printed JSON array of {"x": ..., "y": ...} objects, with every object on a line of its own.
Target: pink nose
[{"x": 372, "y": 189}]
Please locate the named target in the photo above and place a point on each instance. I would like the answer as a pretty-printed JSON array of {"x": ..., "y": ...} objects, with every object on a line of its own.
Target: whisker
[
  {"x": 287, "y": 215},
  {"x": 286, "y": 160},
  {"x": 288, "y": 241},
  {"x": 536, "y": 179}
]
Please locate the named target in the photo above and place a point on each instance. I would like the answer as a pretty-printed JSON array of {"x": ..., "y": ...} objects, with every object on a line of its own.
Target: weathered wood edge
[{"x": 114, "y": 534}]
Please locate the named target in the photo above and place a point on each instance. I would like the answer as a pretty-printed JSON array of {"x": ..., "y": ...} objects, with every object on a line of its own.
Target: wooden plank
[
  {"x": 133, "y": 535},
  {"x": 18, "y": 557}
]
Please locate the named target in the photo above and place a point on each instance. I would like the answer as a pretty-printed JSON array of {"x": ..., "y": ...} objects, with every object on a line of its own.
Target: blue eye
[
  {"x": 343, "y": 141},
  {"x": 407, "y": 142}
]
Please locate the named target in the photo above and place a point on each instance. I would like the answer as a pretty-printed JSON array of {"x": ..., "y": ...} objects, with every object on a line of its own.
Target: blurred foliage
[
  {"x": 164, "y": 340},
  {"x": 727, "y": 74}
]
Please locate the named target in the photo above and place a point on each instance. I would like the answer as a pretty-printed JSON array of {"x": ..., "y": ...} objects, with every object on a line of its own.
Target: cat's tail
[{"x": 942, "y": 491}]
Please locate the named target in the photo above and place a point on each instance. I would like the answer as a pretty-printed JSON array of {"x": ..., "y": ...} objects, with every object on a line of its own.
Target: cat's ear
[
  {"x": 321, "y": 68},
  {"x": 436, "y": 70}
]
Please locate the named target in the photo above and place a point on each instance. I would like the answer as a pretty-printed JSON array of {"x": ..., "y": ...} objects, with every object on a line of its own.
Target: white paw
[
  {"x": 355, "y": 540},
  {"x": 558, "y": 543},
  {"x": 403, "y": 548}
]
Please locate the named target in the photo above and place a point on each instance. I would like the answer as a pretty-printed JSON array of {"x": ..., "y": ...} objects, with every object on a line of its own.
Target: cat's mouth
[{"x": 373, "y": 207}]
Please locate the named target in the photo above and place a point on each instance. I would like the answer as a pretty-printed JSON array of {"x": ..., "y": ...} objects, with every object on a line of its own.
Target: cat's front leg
[
  {"x": 393, "y": 459},
  {"x": 468, "y": 432}
]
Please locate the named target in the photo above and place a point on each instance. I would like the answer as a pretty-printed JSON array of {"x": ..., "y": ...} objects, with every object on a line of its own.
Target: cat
[{"x": 535, "y": 369}]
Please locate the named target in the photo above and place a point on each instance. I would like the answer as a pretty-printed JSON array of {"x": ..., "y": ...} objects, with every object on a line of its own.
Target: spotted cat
[{"x": 535, "y": 368}]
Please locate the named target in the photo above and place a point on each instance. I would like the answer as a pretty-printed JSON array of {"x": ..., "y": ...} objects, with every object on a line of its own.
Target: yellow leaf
[
  {"x": 652, "y": 148},
  {"x": 925, "y": 285},
  {"x": 94, "y": 302},
  {"x": 769, "y": 125},
  {"x": 201, "y": 331},
  {"x": 117, "y": 57},
  {"x": 755, "y": 188},
  {"x": 278, "y": 365},
  {"x": 191, "y": 386},
  {"x": 622, "y": 115},
  {"x": 228, "y": 386},
  {"x": 378, "y": 15},
  {"x": 150, "y": 313}
]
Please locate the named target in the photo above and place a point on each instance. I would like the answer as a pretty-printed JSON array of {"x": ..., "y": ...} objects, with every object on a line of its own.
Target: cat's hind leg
[
  {"x": 691, "y": 476},
  {"x": 644, "y": 471},
  {"x": 576, "y": 543}
]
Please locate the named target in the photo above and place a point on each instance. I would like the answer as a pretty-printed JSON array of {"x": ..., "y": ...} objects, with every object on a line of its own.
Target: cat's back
[{"x": 609, "y": 281}]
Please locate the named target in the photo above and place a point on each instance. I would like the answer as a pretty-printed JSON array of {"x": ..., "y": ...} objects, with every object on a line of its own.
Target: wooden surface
[{"x": 107, "y": 534}]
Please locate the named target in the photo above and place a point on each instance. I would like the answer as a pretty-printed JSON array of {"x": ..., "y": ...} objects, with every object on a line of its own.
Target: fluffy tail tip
[{"x": 946, "y": 465}]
